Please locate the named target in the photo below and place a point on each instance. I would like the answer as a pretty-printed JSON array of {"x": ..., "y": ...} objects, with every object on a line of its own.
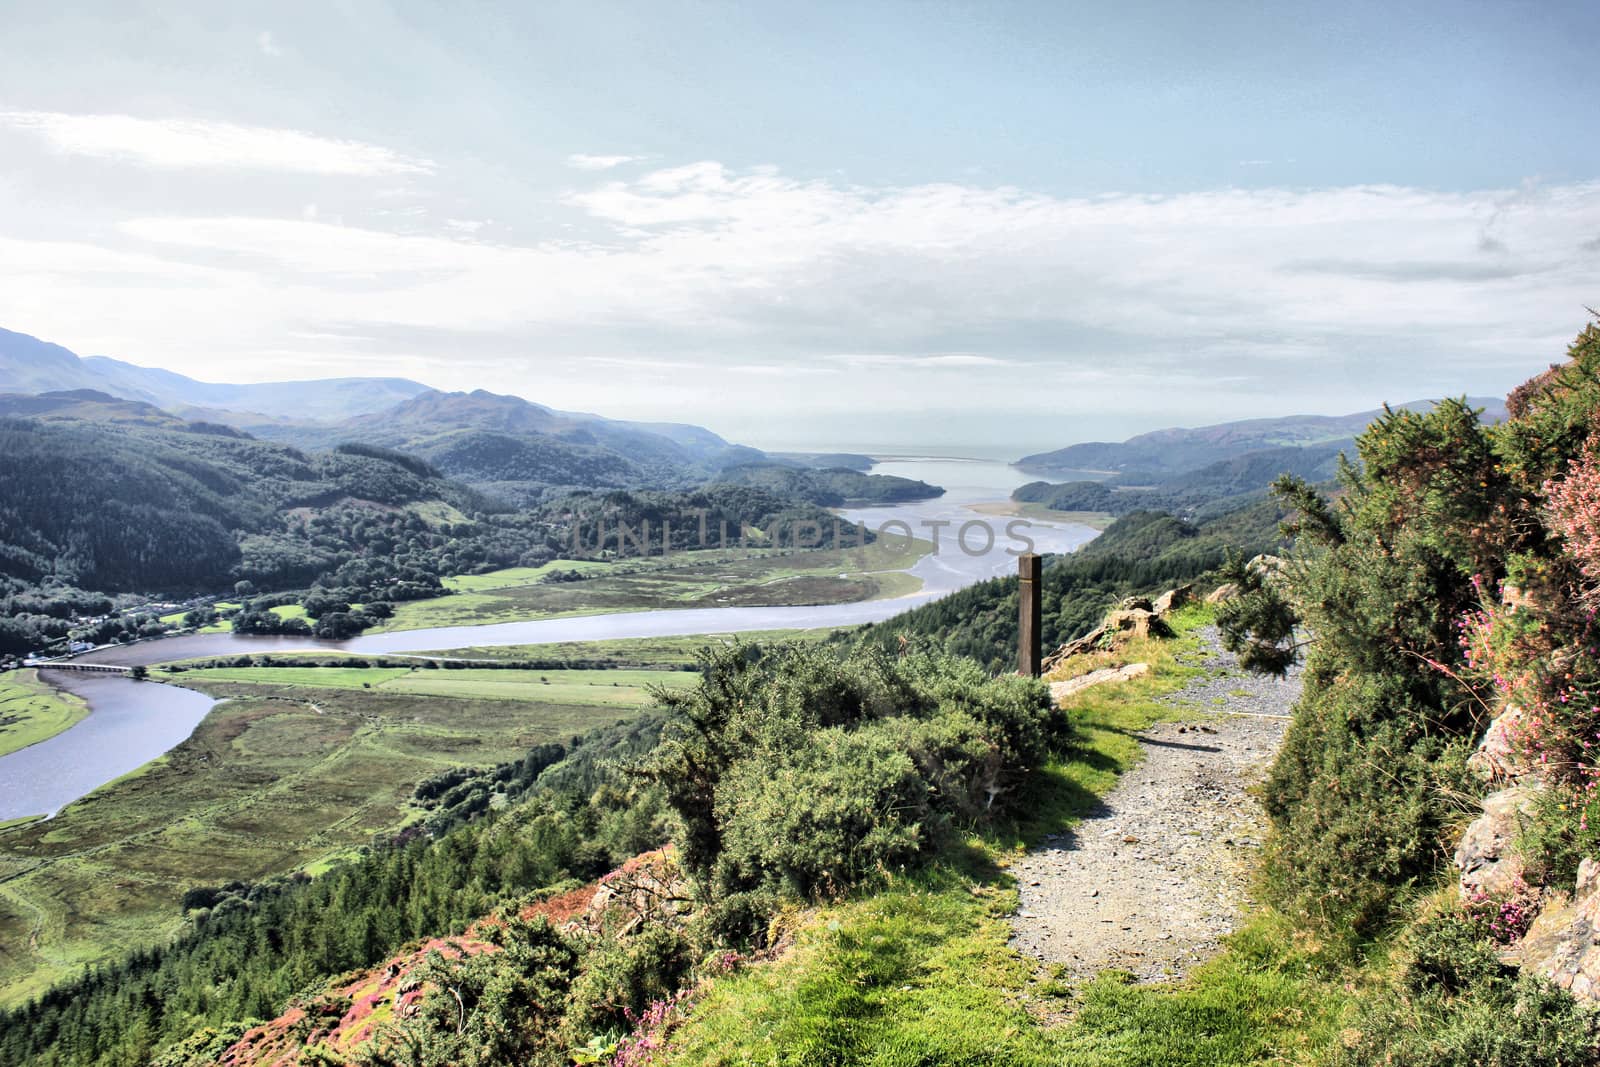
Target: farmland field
[
  {"x": 707, "y": 579},
  {"x": 31, "y": 710},
  {"x": 295, "y": 768}
]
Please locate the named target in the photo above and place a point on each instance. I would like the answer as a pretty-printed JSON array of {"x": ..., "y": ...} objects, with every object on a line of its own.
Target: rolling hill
[{"x": 1180, "y": 449}]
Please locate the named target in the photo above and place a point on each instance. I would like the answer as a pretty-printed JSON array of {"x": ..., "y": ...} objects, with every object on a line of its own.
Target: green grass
[
  {"x": 921, "y": 973},
  {"x": 31, "y": 710},
  {"x": 644, "y": 652},
  {"x": 597, "y": 688},
  {"x": 282, "y": 775},
  {"x": 289, "y": 611},
  {"x": 514, "y": 577},
  {"x": 710, "y": 578}
]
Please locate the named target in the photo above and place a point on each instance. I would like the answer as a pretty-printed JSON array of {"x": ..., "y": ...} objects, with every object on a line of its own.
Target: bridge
[{"x": 104, "y": 668}]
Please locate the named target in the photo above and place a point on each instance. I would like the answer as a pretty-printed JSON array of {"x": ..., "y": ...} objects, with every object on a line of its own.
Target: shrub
[{"x": 1454, "y": 1003}]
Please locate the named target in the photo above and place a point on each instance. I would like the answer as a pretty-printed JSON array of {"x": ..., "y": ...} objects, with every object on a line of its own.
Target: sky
[{"x": 981, "y": 226}]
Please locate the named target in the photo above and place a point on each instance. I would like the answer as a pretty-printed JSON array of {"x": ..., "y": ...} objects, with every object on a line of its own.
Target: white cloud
[
  {"x": 267, "y": 45},
  {"x": 175, "y": 144},
  {"x": 582, "y": 161},
  {"x": 762, "y": 289},
  {"x": 946, "y": 359}
]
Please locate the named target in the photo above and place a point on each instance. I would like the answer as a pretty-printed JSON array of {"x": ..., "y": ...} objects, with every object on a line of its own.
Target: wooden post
[{"x": 1028, "y": 622}]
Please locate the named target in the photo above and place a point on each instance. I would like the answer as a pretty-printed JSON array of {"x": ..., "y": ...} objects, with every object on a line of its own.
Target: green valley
[{"x": 293, "y": 770}]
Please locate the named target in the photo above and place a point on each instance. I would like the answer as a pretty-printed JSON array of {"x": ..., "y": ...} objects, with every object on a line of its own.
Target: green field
[
  {"x": 599, "y": 688},
  {"x": 296, "y": 767},
  {"x": 646, "y": 652},
  {"x": 31, "y": 710},
  {"x": 221, "y": 626},
  {"x": 712, "y": 578}
]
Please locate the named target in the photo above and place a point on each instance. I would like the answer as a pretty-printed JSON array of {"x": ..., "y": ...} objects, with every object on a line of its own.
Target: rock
[
  {"x": 1059, "y": 691},
  {"x": 1134, "y": 603},
  {"x": 1225, "y": 591},
  {"x": 1172, "y": 599},
  {"x": 1588, "y": 879},
  {"x": 1487, "y": 857},
  {"x": 1267, "y": 566},
  {"x": 1089, "y": 642},
  {"x": 1135, "y": 622},
  {"x": 1497, "y": 758}
]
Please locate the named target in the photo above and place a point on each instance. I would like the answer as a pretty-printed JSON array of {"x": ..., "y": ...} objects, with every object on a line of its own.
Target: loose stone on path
[{"x": 1154, "y": 877}]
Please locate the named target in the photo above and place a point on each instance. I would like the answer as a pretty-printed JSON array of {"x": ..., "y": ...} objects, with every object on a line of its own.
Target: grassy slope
[
  {"x": 712, "y": 578},
  {"x": 921, "y": 973},
  {"x": 278, "y": 777},
  {"x": 31, "y": 710}
]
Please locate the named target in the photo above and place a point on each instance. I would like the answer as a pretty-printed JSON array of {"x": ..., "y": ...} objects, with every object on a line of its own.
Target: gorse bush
[
  {"x": 809, "y": 771},
  {"x": 1455, "y": 1003},
  {"x": 1445, "y": 584}
]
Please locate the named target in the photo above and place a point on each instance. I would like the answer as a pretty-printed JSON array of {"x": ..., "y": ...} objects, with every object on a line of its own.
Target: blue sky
[{"x": 855, "y": 223}]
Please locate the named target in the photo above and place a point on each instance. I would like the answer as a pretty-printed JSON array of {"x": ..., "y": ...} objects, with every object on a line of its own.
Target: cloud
[
  {"x": 743, "y": 289},
  {"x": 581, "y": 161},
  {"x": 1419, "y": 270},
  {"x": 949, "y": 359},
  {"x": 267, "y": 45},
  {"x": 178, "y": 144}
]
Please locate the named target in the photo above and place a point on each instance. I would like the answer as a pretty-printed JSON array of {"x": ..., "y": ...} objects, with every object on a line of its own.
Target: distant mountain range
[
  {"x": 1166, "y": 452},
  {"x": 520, "y": 450},
  {"x": 29, "y": 365}
]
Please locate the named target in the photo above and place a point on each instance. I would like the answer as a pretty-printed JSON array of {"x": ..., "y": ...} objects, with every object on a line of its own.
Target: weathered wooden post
[{"x": 1028, "y": 620}]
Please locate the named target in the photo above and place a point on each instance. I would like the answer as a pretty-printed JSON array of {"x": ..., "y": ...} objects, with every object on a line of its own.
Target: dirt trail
[{"x": 1153, "y": 878}]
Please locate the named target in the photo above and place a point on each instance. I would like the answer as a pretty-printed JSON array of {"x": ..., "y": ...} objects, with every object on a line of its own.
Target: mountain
[
  {"x": 148, "y": 506},
  {"x": 1176, "y": 450},
  {"x": 521, "y": 450},
  {"x": 29, "y": 365},
  {"x": 505, "y": 444}
]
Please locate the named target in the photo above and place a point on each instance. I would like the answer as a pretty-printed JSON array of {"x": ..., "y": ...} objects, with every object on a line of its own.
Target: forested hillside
[
  {"x": 102, "y": 496},
  {"x": 830, "y": 487},
  {"x": 1137, "y": 553},
  {"x": 1215, "y": 489}
]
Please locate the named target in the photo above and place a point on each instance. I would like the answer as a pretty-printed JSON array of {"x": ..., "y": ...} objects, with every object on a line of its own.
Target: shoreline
[{"x": 1095, "y": 520}]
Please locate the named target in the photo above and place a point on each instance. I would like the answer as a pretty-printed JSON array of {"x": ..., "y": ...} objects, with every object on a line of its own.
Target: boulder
[
  {"x": 1134, "y": 603},
  {"x": 1225, "y": 591},
  {"x": 1059, "y": 691},
  {"x": 1135, "y": 622},
  {"x": 1497, "y": 758},
  {"x": 1487, "y": 857},
  {"x": 1172, "y": 600}
]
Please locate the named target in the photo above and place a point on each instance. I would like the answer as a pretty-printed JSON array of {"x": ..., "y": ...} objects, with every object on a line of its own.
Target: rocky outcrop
[
  {"x": 1497, "y": 758},
  {"x": 1059, "y": 691},
  {"x": 1223, "y": 592},
  {"x": 648, "y": 889},
  {"x": 1563, "y": 944},
  {"x": 1134, "y": 617},
  {"x": 1487, "y": 856}
]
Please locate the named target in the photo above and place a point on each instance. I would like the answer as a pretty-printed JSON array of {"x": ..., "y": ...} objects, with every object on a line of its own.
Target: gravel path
[{"x": 1155, "y": 876}]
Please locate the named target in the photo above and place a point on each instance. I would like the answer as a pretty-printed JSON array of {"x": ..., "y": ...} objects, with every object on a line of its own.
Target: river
[{"x": 131, "y": 723}]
